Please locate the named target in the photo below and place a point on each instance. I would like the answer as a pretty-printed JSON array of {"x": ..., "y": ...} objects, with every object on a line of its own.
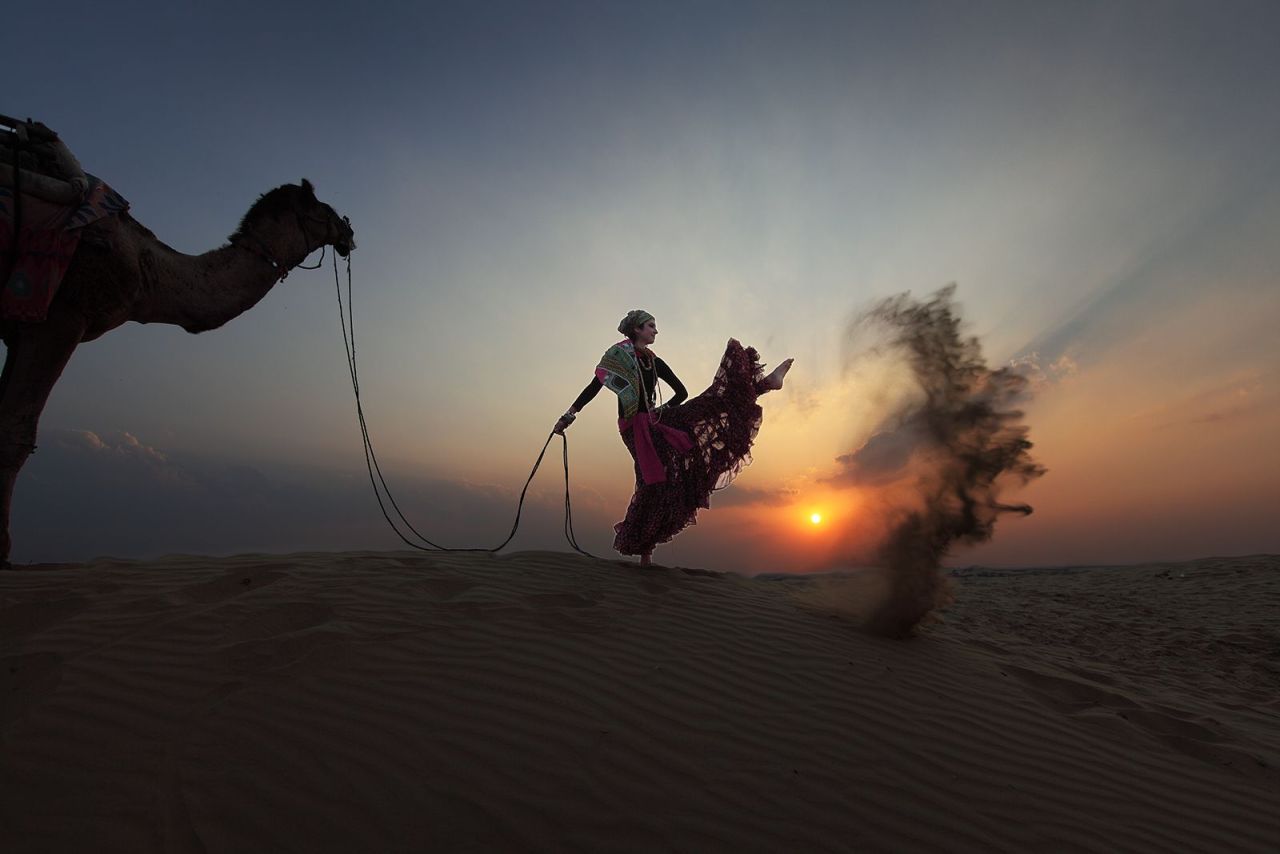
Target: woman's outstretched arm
[{"x": 588, "y": 394}]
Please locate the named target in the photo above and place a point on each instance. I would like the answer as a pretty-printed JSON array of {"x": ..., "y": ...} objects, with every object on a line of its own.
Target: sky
[{"x": 1101, "y": 181}]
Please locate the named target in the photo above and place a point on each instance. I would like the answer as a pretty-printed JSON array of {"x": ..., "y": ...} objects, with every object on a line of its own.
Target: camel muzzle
[{"x": 344, "y": 245}]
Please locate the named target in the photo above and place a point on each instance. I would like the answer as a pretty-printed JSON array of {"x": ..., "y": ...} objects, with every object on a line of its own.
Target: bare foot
[{"x": 773, "y": 382}]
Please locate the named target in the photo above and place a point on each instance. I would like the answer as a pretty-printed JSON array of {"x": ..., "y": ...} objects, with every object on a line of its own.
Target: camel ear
[{"x": 307, "y": 188}]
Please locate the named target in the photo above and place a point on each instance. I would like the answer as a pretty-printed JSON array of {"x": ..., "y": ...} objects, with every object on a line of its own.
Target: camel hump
[
  {"x": 46, "y": 168},
  {"x": 46, "y": 200}
]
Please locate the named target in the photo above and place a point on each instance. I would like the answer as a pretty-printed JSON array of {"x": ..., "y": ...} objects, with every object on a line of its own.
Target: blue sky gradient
[{"x": 1100, "y": 179}]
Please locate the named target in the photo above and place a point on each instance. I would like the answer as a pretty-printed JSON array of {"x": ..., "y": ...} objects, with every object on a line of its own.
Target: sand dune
[{"x": 545, "y": 702}]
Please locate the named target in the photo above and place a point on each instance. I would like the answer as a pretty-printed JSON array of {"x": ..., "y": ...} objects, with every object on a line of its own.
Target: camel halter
[
  {"x": 261, "y": 250},
  {"x": 346, "y": 317},
  {"x": 282, "y": 270}
]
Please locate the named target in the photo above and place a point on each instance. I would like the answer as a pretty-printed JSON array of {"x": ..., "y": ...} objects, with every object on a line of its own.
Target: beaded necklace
[{"x": 656, "y": 413}]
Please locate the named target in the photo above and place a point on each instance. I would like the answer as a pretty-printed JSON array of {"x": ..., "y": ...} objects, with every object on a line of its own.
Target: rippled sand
[{"x": 542, "y": 701}]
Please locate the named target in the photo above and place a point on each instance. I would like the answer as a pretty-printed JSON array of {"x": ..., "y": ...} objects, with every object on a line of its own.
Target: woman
[{"x": 682, "y": 451}]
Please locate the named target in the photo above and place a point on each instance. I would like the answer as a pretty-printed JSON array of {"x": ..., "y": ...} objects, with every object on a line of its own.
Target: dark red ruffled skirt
[{"x": 723, "y": 422}]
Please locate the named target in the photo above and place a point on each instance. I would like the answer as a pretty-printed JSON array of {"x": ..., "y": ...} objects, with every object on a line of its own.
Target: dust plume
[{"x": 937, "y": 462}]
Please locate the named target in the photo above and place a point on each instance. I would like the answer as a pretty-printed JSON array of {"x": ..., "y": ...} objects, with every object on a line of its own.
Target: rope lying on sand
[{"x": 346, "y": 316}]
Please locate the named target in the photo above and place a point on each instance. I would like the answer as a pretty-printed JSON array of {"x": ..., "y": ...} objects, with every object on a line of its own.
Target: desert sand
[{"x": 380, "y": 702}]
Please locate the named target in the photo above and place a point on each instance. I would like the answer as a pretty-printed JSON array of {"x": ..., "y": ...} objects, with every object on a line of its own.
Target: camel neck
[
  {"x": 201, "y": 292},
  {"x": 284, "y": 248},
  {"x": 250, "y": 244}
]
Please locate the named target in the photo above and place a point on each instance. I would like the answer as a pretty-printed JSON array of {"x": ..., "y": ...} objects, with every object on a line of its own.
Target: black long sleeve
[
  {"x": 588, "y": 394},
  {"x": 669, "y": 377},
  {"x": 660, "y": 370}
]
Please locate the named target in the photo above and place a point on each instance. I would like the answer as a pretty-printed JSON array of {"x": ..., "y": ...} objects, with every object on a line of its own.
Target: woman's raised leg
[{"x": 773, "y": 382}]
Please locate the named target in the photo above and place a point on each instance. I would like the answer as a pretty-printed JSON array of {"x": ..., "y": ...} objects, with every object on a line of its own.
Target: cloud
[
  {"x": 122, "y": 461},
  {"x": 1235, "y": 413},
  {"x": 1206, "y": 245},
  {"x": 85, "y": 494},
  {"x": 121, "y": 445},
  {"x": 1238, "y": 399},
  {"x": 804, "y": 403},
  {"x": 1041, "y": 374},
  {"x": 745, "y": 496},
  {"x": 883, "y": 457}
]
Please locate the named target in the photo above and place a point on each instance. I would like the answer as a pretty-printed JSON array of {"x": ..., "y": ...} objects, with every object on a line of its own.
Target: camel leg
[{"x": 34, "y": 359}]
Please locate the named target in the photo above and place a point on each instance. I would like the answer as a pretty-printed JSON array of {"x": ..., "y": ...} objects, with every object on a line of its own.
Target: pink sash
[{"x": 651, "y": 470}]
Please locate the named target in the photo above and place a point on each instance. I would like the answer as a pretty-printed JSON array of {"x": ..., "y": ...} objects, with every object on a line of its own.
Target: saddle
[{"x": 46, "y": 200}]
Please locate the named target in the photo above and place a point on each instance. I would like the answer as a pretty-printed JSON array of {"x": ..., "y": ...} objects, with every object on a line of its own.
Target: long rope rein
[{"x": 346, "y": 317}]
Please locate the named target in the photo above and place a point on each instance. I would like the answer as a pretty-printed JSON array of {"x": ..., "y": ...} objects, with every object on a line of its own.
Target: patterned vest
[{"x": 619, "y": 371}]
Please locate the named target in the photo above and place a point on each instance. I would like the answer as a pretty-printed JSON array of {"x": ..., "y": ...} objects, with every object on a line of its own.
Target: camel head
[
  {"x": 337, "y": 230},
  {"x": 293, "y": 205}
]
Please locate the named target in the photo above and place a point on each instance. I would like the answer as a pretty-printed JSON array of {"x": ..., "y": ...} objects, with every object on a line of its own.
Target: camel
[{"x": 120, "y": 271}]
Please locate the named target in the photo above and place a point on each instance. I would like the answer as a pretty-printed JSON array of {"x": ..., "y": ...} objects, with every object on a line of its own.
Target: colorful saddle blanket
[{"x": 38, "y": 258}]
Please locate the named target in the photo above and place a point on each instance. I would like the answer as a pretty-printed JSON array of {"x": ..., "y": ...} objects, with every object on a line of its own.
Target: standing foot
[{"x": 773, "y": 382}]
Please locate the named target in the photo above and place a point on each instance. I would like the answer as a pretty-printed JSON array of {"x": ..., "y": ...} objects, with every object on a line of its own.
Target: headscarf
[{"x": 636, "y": 317}]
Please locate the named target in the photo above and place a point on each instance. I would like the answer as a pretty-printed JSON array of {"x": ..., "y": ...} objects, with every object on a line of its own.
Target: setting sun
[{"x": 815, "y": 518}]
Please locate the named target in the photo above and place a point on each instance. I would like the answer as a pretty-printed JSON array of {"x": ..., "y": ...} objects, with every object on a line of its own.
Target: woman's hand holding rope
[{"x": 564, "y": 422}]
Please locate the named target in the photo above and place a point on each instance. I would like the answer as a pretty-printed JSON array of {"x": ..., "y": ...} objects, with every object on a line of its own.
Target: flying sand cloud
[{"x": 937, "y": 464}]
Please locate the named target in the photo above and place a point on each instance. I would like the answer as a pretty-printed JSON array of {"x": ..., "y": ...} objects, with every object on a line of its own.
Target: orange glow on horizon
[{"x": 823, "y": 513}]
